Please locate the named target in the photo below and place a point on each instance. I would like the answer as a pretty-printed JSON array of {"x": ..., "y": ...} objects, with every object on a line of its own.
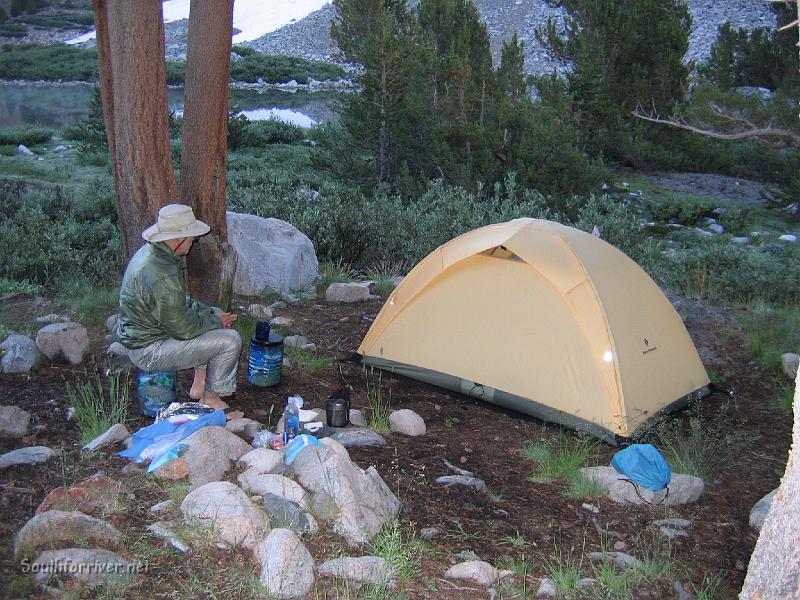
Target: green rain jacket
[{"x": 154, "y": 302}]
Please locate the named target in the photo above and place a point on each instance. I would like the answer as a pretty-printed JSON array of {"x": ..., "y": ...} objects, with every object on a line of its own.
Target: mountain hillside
[{"x": 310, "y": 37}]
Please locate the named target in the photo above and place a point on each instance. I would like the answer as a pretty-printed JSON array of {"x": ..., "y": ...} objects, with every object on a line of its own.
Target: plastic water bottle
[{"x": 291, "y": 418}]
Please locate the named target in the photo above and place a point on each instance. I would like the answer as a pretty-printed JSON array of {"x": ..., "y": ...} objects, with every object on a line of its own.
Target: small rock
[
  {"x": 619, "y": 559},
  {"x": 18, "y": 354},
  {"x": 587, "y": 582},
  {"x": 429, "y": 533},
  {"x": 683, "y": 489},
  {"x": 23, "y": 149},
  {"x": 163, "y": 506},
  {"x": 269, "y": 483},
  {"x": 111, "y": 323},
  {"x": 287, "y": 363},
  {"x": 14, "y": 422},
  {"x": 32, "y": 455},
  {"x": 472, "y": 482},
  {"x": 760, "y": 510},
  {"x": 790, "y": 362},
  {"x": 620, "y": 545},
  {"x": 547, "y": 589},
  {"x": 671, "y": 534},
  {"x": 396, "y": 281},
  {"x": 278, "y": 305},
  {"x": 716, "y": 228},
  {"x": 476, "y": 571},
  {"x": 281, "y": 322},
  {"x": 115, "y": 434},
  {"x": 162, "y": 530},
  {"x": 287, "y": 568},
  {"x": 348, "y": 292},
  {"x": 356, "y": 418},
  {"x": 295, "y": 341},
  {"x": 68, "y": 341},
  {"x": 591, "y": 508},
  {"x": 407, "y": 422},
  {"x": 788, "y": 238},
  {"x": 51, "y": 318},
  {"x": 308, "y": 347},
  {"x": 741, "y": 240},
  {"x": 682, "y": 523}
]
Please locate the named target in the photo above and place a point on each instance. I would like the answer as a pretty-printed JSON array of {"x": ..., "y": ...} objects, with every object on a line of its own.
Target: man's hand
[{"x": 226, "y": 318}]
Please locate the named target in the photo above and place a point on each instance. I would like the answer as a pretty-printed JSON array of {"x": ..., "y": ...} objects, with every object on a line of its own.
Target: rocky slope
[{"x": 310, "y": 37}]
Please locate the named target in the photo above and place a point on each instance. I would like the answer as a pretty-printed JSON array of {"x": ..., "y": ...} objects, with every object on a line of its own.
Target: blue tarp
[{"x": 150, "y": 441}]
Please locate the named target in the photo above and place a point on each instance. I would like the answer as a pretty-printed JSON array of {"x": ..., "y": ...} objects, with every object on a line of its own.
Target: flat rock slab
[
  {"x": 372, "y": 570},
  {"x": 354, "y": 438},
  {"x": 55, "y": 527},
  {"x": 32, "y": 455},
  {"x": 87, "y": 567},
  {"x": 287, "y": 515},
  {"x": 683, "y": 489},
  {"x": 348, "y": 292},
  {"x": 790, "y": 362},
  {"x": 13, "y": 422}
]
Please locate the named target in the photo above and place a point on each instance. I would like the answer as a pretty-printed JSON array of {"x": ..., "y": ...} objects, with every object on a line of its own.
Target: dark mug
[{"x": 337, "y": 412}]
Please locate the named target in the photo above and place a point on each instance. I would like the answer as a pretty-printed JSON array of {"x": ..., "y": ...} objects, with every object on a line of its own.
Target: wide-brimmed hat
[{"x": 175, "y": 221}]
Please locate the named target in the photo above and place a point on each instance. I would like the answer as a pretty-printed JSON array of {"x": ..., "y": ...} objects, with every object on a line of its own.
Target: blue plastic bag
[{"x": 644, "y": 466}]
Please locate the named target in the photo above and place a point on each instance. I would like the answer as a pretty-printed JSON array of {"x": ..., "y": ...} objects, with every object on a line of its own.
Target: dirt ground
[{"x": 517, "y": 518}]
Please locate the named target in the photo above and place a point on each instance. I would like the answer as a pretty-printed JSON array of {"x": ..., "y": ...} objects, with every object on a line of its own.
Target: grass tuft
[
  {"x": 378, "y": 418},
  {"x": 96, "y": 409},
  {"x": 559, "y": 457},
  {"x": 400, "y": 548}
]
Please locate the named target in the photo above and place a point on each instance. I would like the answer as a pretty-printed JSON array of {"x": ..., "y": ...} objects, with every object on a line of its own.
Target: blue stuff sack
[{"x": 644, "y": 466}]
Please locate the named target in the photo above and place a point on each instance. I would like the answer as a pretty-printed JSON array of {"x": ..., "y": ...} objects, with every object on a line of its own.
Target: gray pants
[{"x": 217, "y": 352}]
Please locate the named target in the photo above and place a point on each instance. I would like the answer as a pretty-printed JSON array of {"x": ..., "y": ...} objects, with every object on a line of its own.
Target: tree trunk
[
  {"x": 130, "y": 42},
  {"x": 212, "y": 262},
  {"x": 774, "y": 570}
]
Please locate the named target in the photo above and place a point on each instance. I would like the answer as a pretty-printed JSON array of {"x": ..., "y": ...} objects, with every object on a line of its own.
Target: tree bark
[
  {"x": 211, "y": 264},
  {"x": 130, "y": 42}
]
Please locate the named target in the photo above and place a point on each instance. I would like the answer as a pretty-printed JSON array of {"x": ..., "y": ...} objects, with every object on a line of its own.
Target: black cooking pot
[{"x": 337, "y": 412}]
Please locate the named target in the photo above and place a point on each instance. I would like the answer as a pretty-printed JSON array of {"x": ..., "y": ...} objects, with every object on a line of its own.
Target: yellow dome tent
[{"x": 544, "y": 319}]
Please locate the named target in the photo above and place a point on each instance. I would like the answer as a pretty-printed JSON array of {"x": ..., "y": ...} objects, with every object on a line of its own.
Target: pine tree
[{"x": 625, "y": 53}]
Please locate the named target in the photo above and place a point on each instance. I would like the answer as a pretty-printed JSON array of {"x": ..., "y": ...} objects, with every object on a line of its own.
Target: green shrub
[
  {"x": 13, "y": 30},
  {"x": 252, "y": 66},
  {"x": 29, "y": 135},
  {"x": 43, "y": 238},
  {"x": 176, "y": 72},
  {"x": 559, "y": 457},
  {"x": 759, "y": 57},
  {"x": 262, "y": 133},
  {"x": 8, "y": 150},
  {"x": 58, "y": 20},
  {"x": 716, "y": 270},
  {"x": 52, "y": 62}
]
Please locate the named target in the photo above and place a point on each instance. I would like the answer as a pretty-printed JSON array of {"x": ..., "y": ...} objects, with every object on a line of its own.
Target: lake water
[{"x": 59, "y": 105}]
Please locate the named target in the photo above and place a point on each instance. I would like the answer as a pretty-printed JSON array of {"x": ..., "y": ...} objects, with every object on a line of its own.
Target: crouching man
[{"x": 162, "y": 326}]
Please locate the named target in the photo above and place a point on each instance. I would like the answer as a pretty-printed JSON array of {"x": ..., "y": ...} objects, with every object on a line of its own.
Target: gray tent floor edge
[{"x": 517, "y": 403}]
